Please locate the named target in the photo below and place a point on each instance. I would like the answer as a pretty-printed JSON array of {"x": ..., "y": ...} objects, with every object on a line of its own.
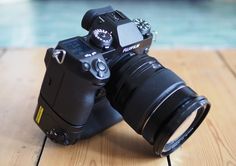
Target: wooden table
[{"x": 212, "y": 73}]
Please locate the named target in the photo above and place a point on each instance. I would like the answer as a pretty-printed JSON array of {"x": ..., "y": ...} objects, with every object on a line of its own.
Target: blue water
[{"x": 180, "y": 24}]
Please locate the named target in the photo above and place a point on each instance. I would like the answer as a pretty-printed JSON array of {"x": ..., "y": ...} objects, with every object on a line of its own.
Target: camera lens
[
  {"x": 155, "y": 102},
  {"x": 182, "y": 128}
]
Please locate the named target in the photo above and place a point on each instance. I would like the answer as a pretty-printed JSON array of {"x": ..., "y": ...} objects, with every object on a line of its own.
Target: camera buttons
[
  {"x": 59, "y": 136},
  {"x": 86, "y": 66},
  {"x": 101, "y": 65},
  {"x": 100, "y": 74}
]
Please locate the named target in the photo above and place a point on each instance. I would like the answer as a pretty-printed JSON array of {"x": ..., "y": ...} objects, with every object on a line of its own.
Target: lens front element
[{"x": 183, "y": 127}]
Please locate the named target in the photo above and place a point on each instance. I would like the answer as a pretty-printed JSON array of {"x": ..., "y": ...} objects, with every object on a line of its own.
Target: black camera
[{"x": 91, "y": 82}]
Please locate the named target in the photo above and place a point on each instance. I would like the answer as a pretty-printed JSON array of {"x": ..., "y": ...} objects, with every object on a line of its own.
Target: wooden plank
[
  {"x": 21, "y": 74},
  {"x": 229, "y": 56},
  {"x": 119, "y": 145},
  {"x": 214, "y": 142}
]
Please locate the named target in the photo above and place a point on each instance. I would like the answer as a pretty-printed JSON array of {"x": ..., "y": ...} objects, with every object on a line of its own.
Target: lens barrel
[{"x": 154, "y": 101}]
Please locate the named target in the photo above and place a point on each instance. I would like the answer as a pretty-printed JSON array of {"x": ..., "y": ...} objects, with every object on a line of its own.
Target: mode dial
[
  {"x": 143, "y": 26},
  {"x": 101, "y": 38}
]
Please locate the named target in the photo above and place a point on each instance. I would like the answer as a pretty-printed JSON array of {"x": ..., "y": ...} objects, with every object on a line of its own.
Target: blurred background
[{"x": 179, "y": 23}]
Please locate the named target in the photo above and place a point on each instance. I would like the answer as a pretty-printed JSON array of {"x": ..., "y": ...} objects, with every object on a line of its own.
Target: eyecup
[{"x": 90, "y": 15}]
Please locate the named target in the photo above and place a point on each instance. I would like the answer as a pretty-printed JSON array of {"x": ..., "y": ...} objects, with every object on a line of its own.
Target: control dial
[
  {"x": 100, "y": 67},
  {"x": 143, "y": 26},
  {"x": 101, "y": 38}
]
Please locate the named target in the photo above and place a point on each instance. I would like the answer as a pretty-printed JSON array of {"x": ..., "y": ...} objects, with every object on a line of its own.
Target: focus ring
[{"x": 160, "y": 85}]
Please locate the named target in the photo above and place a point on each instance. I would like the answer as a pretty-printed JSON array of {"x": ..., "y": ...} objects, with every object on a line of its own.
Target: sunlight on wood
[{"x": 21, "y": 74}]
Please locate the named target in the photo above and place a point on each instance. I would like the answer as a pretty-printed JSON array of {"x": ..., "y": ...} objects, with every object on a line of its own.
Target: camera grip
[
  {"x": 102, "y": 116},
  {"x": 75, "y": 99}
]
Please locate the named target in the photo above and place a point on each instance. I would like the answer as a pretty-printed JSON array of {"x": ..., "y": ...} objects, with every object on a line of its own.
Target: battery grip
[{"x": 60, "y": 131}]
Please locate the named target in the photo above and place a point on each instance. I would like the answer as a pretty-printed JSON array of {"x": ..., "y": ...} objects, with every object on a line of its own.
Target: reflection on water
[{"x": 179, "y": 24}]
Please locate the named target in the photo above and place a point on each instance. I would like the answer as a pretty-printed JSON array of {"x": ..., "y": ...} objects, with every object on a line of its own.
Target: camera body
[
  {"x": 92, "y": 82},
  {"x": 72, "y": 103}
]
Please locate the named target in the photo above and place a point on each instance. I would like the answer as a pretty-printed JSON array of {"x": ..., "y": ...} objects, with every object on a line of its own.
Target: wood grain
[
  {"x": 21, "y": 73},
  {"x": 214, "y": 142},
  {"x": 119, "y": 145}
]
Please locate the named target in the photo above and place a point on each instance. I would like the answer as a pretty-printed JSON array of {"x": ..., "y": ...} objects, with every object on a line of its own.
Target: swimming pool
[{"x": 180, "y": 24}]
